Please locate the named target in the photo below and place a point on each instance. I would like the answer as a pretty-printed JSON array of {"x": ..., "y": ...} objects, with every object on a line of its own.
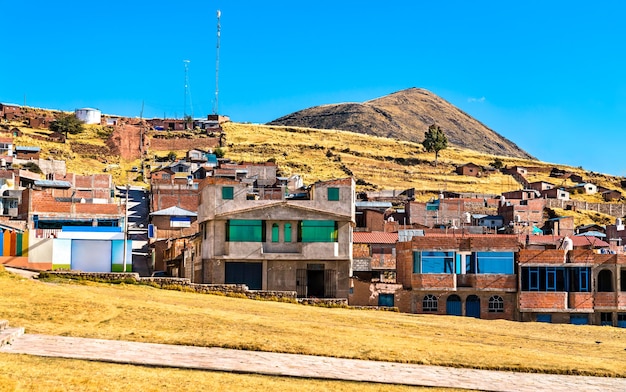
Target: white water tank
[
  {"x": 568, "y": 244},
  {"x": 88, "y": 115}
]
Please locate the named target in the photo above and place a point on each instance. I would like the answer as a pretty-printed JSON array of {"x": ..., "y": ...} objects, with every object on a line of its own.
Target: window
[
  {"x": 274, "y": 232},
  {"x": 287, "y": 232},
  {"x": 606, "y": 319},
  {"x": 496, "y": 304},
  {"x": 437, "y": 262},
  {"x": 545, "y": 279},
  {"x": 245, "y": 230},
  {"x": 492, "y": 263},
  {"x": 417, "y": 262},
  {"x": 623, "y": 279},
  {"x": 228, "y": 193},
  {"x": 430, "y": 303},
  {"x": 318, "y": 231},
  {"x": 333, "y": 194},
  {"x": 605, "y": 281}
]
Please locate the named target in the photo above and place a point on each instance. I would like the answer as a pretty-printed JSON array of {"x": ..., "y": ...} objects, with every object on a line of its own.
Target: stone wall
[{"x": 617, "y": 210}]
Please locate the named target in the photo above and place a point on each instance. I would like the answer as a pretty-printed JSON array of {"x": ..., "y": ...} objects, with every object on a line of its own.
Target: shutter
[
  {"x": 301, "y": 283},
  {"x": 330, "y": 283}
]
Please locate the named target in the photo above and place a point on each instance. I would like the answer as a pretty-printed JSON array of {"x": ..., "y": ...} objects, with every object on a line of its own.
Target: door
[
  {"x": 301, "y": 283},
  {"x": 315, "y": 283},
  {"x": 472, "y": 306},
  {"x": 453, "y": 305},
  {"x": 250, "y": 274}
]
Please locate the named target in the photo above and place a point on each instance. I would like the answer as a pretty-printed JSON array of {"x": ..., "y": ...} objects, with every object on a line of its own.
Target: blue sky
[{"x": 547, "y": 75}]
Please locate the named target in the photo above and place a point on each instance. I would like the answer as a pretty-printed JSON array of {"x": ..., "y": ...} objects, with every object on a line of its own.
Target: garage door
[
  {"x": 91, "y": 255},
  {"x": 250, "y": 274}
]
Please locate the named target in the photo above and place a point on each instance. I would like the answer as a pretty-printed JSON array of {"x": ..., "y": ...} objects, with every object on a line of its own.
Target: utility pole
[
  {"x": 125, "y": 228},
  {"x": 217, "y": 64}
]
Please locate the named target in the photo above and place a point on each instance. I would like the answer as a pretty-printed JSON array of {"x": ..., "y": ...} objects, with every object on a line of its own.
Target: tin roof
[{"x": 374, "y": 237}]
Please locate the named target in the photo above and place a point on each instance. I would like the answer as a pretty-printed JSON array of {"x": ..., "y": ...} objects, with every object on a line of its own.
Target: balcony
[{"x": 300, "y": 250}]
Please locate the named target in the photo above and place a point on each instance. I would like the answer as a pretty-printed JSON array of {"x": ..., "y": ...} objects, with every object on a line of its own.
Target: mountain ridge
[{"x": 406, "y": 115}]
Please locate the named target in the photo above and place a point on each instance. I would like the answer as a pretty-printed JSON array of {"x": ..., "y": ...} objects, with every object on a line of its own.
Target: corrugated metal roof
[
  {"x": 174, "y": 211},
  {"x": 374, "y": 237},
  {"x": 27, "y": 148},
  {"x": 373, "y": 204},
  {"x": 53, "y": 184}
]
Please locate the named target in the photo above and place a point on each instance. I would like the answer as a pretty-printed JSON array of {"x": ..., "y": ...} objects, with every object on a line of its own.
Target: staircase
[{"x": 7, "y": 335}]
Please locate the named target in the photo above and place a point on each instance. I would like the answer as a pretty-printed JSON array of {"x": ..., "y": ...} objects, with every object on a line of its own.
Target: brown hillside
[{"x": 406, "y": 115}]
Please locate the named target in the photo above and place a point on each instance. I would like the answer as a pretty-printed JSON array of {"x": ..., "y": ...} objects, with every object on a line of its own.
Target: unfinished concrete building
[{"x": 270, "y": 239}]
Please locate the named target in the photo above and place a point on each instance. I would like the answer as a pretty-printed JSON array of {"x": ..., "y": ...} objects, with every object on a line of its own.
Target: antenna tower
[
  {"x": 187, "y": 93},
  {"x": 217, "y": 64}
]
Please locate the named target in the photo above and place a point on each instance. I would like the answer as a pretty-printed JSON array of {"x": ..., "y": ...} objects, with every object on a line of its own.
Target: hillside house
[
  {"x": 586, "y": 188},
  {"x": 370, "y": 215},
  {"x": 555, "y": 193},
  {"x": 10, "y": 112},
  {"x": 541, "y": 186},
  {"x": 522, "y": 194},
  {"x": 287, "y": 244},
  {"x": 27, "y": 152},
  {"x": 469, "y": 169},
  {"x": 612, "y": 195},
  {"x": 472, "y": 275}
]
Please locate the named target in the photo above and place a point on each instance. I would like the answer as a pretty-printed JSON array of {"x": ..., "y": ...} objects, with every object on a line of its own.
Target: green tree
[
  {"x": 219, "y": 152},
  {"x": 171, "y": 156},
  {"x": 435, "y": 140},
  {"x": 67, "y": 123},
  {"x": 497, "y": 164}
]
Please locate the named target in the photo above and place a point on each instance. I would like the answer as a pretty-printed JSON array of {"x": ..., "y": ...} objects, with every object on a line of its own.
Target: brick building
[
  {"x": 578, "y": 286},
  {"x": 472, "y": 275}
]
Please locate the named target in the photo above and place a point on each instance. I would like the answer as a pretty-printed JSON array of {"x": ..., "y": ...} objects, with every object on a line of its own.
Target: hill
[{"x": 406, "y": 115}]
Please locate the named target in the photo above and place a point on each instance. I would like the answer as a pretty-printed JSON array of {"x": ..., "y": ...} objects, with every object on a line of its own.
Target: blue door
[
  {"x": 385, "y": 300},
  {"x": 544, "y": 318},
  {"x": 621, "y": 320},
  {"x": 453, "y": 305},
  {"x": 472, "y": 306},
  {"x": 579, "y": 319}
]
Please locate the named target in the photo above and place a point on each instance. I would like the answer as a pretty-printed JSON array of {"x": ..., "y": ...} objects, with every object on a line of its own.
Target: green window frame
[
  {"x": 228, "y": 193},
  {"x": 333, "y": 194},
  {"x": 240, "y": 230},
  {"x": 275, "y": 232},
  {"x": 317, "y": 231},
  {"x": 287, "y": 232}
]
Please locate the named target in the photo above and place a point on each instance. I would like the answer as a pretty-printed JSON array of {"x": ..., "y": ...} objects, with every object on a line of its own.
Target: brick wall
[
  {"x": 547, "y": 256},
  {"x": 580, "y": 300},
  {"x": 604, "y": 300},
  {"x": 177, "y": 144},
  {"x": 542, "y": 300},
  {"x": 360, "y": 250},
  {"x": 433, "y": 281}
]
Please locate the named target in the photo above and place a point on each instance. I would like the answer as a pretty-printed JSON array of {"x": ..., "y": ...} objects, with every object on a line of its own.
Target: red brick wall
[
  {"x": 433, "y": 281},
  {"x": 604, "y": 300},
  {"x": 580, "y": 300},
  {"x": 547, "y": 256},
  {"x": 542, "y": 300},
  {"x": 360, "y": 250},
  {"x": 157, "y": 144}
]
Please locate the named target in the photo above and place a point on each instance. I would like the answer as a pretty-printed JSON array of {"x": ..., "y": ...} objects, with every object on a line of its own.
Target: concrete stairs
[{"x": 7, "y": 334}]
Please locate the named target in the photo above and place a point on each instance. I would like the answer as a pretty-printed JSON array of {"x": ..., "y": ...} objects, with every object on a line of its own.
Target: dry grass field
[{"x": 146, "y": 314}]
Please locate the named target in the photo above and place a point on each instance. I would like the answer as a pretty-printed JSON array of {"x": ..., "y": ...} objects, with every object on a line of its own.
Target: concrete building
[
  {"x": 472, "y": 275},
  {"x": 296, "y": 242}
]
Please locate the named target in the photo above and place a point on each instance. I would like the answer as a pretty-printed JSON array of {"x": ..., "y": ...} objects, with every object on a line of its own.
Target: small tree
[
  {"x": 171, "y": 156},
  {"x": 435, "y": 140},
  {"x": 219, "y": 153},
  {"x": 67, "y": 123},
  {"x": 497, "y": 164}
]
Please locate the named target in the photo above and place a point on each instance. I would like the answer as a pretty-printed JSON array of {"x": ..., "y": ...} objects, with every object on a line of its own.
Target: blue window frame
[
  {"x": 533, "y": 279},
  {"x": 550, "y": 279},
  {"x": 417, "y": 262}
]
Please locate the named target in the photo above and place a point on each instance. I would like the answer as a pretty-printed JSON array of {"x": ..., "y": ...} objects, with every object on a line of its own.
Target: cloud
[{"x": 479, "y": 100}]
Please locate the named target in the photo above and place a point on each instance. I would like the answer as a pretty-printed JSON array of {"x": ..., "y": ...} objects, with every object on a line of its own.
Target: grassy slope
[{"x": 140, "y": 313}]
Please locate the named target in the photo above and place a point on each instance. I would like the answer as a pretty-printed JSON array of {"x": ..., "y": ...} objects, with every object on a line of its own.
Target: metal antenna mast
[
  {"x": 217, "y": 64},
  {"x": 186, "y": 62}
]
